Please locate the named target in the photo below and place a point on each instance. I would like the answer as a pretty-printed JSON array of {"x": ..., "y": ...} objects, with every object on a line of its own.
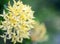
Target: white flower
[{"x": 18, "y": 21}]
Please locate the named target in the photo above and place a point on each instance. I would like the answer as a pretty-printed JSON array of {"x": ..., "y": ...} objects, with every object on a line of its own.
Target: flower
[
  {"x": 39, "y": 32},
  {"x": 18, "y": 21}
]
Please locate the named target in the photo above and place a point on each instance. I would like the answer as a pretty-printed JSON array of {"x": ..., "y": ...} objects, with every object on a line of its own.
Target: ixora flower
[{"x": 18, "y": 21}]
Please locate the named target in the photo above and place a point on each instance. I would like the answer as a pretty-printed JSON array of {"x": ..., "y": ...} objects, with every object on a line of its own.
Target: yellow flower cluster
[{"x": 18, "y": 21}]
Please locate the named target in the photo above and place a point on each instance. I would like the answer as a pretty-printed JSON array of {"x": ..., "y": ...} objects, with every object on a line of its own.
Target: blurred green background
[{"x": 46, "y": 11}]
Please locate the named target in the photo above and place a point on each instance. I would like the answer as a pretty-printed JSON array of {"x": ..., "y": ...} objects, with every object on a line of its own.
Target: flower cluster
[
  {"x": 18, "y": 21},
  {"x": 39, "y": 33}
]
